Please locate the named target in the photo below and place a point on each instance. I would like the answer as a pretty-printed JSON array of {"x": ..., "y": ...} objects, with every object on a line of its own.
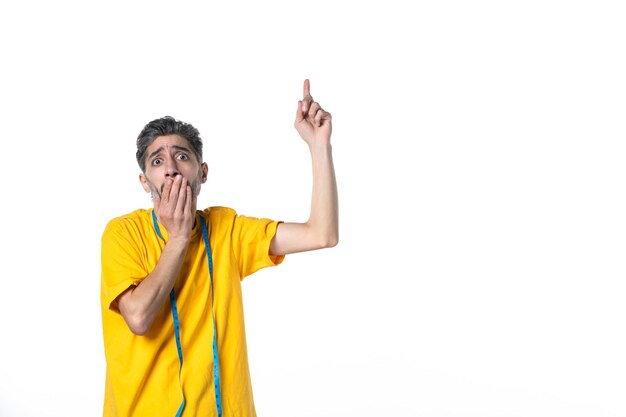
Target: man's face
[{"x": 167, "y": 157}]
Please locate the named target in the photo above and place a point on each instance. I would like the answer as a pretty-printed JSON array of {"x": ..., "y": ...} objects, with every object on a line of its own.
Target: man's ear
[
  {"x": 144, "y": 182},
  {"x": 204, "y": 168}
]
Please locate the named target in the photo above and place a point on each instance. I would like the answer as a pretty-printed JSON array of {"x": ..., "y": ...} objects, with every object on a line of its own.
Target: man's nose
[{"x": 171, "y": 168}]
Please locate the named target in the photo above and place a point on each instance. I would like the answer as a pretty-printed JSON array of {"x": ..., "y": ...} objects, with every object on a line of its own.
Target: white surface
[{"x": 479, "y": 150}]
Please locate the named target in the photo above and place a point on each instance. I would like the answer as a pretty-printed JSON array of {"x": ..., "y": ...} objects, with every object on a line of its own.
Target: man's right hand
[
  {"x": 140, "y": 304},
  {"x": 174, "y": 210}
]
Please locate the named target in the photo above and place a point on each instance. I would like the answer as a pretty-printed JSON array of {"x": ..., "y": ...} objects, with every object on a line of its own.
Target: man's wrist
[
  {"x": 180, "y": 242},
  {"x": 318, "y": 147}
]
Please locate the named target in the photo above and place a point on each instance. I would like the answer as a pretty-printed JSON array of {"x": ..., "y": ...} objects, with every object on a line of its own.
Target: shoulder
[
  {"x": 219, "y": 215},
  {"x": 219, "y": 211},
  {"x": 227, "y": 220},
  {"x": 131, "y": 223}
]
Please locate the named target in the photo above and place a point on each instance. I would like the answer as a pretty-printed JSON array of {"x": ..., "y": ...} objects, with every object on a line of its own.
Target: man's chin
[
  {"x": 195, "y": 191},
  {"x": 194, "y": 196}
]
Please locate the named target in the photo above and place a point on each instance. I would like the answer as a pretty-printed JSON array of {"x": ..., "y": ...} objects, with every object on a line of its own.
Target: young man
[{"x": 171, "y": 297}]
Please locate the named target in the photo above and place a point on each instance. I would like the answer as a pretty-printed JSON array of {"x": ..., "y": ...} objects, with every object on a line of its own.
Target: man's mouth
[{"x": 163, "y": 185}]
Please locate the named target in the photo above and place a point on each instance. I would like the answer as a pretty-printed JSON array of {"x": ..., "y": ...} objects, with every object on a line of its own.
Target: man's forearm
[
  {"x": 140, "y": 305},
  {"x": 324, "y": 217}
]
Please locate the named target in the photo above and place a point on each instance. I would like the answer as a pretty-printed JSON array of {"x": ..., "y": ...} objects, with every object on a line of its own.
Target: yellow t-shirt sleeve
[
  {"x": 251, "y": 238},
  {"x": 122, "y": 263}
]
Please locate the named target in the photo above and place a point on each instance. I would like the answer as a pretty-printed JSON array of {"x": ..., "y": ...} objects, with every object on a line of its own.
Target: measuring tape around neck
[{"x": 216, "y": 366}]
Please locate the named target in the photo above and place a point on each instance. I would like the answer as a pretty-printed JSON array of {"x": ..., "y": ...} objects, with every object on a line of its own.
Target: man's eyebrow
[
  {"x": 155, "y": 152},
  {"x": 179, "y": 148}
]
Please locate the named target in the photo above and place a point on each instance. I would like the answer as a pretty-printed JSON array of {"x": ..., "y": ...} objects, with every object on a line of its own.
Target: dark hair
[{"x": 167, "y": 126}]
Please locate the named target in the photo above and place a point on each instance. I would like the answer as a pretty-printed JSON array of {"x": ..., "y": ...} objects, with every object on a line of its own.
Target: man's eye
[
  {"x": 183, "y": 156},
  {"x": 157, "y": 161}
]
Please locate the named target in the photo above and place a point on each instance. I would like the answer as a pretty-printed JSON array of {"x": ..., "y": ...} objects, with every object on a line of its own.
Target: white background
[{"x": 479, "y": 150}]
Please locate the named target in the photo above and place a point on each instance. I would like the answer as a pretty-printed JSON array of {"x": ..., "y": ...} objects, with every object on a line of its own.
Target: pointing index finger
[{"x": 306, "y": 88}]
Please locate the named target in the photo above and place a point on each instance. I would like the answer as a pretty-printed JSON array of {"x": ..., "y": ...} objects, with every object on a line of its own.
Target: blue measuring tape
[{"x": 216, "y": 364}]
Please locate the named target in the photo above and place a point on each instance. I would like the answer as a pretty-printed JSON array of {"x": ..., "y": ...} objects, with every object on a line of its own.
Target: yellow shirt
[{"x": 142, "y": 377}]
